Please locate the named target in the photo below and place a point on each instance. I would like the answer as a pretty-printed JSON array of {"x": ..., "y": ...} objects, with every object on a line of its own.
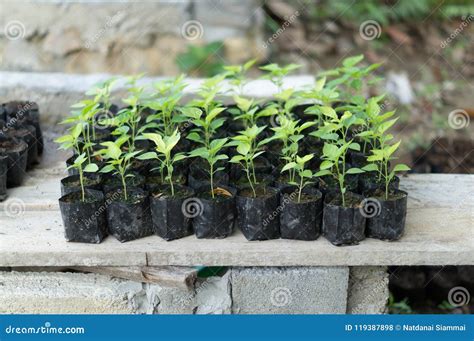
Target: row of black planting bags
[{"x": 21, "y": 142}]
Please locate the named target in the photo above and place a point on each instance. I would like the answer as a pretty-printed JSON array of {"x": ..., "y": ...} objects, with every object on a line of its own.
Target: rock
[
  {"x": 19, "y": 55},
  {"x": 398, "y": 85},
  {"x": 237, "y": 50},
  {"x": 63, "y": 42},
  {"x": 213, "y": 295}
]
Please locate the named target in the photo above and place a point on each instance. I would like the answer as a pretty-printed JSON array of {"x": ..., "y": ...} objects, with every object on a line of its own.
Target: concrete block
[
  {"x": 70, "y": 293},
  {"x": 213, "y": 295},
  {"x": 170, "y": 300},
  {"x": 368, "y": 290},
  {"x": 289, "y": 290}
]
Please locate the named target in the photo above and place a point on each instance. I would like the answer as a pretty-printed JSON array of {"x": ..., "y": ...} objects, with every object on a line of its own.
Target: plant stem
[
  {"x": 81, "y": 179},
  {"x": 300, "y": 189},
  {"x": 250, "y": 182},
  {"x": 124, "y": 184},
  {"x": 170, "y": 175},
  {"x": 212, "y": 178}
]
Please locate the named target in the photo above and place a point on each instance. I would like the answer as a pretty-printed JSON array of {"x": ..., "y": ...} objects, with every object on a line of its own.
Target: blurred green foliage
[
  {"x": 389, "y": 11},
  {"x": 202, "y": 60}
]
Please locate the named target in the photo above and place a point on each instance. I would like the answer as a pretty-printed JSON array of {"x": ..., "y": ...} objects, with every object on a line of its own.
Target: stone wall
[{"x": 123, "y": 37}]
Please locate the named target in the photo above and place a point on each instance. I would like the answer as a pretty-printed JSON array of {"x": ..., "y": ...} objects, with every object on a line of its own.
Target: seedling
[
  {"x": 335, "y": 131},
  {"x": 206, "y": 123},
  {"x": 276, "y": 73},
  {"x": 83, "y": 122},
  {"x": 102, "y": 94},
  {"x": 163, "y": 152},
  {"x": 305, "y": 175},
  {"x": 248, "y": 111},
  {"x": 322, "y": 95},
  {"x": 212, "y": 154},
  {"x": 89, "y": 168},
  {"x": 237, "y": 76},
  {"x": 350, "y": 77},
  {"x": 248, "y": 150},
  {"x": 71, "y": 140},
  {"x": 289, "y": 132},
  {"x": 375, "y": 124},
  {"x": 165, "y": 102},
  {"x": 118, "y": 160},
  {"x": 380, "y": 159}
]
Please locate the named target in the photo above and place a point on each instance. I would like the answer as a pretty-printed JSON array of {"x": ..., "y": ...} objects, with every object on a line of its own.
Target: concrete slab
[{"x": 439, "y": 231}]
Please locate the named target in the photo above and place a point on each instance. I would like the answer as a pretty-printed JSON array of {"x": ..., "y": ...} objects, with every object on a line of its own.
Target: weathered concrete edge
[{"x": 170, "y": 258}]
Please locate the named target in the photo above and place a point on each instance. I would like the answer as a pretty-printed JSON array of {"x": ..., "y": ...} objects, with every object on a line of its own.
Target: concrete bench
[{"x": 277, "y": 276}]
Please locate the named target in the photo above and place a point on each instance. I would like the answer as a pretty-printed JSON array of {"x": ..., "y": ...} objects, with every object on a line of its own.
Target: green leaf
[
  {"x": 288, "y": 166},
  {"x": 147, "y": 156},
  {"x": 107, "y": 169},
  {"x": 91, "y": 168},
  {"x": 326, "y": 165},
  {"x": 371, "y": 167},
  {"x": 323, "y": 172},
  {"x": 328, "y": 111},
  {"x": 401, "y": 168},
  {"x": 351, "y": 61},
  {"x": 355, "y": 171}
]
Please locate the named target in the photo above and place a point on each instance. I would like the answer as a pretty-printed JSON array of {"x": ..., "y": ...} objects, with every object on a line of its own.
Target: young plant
[
  {"x": 212, "y": 154},
  {"x": 334, "y": 164},
  {"x": 102, "y": 94},
  {"x": 163, "y": 152},
  {"x": 118, "y": 160},
  {"x": 379, "y": 162},
  {"x": 237, "y": 76},
  {"x": 82, "y": 120},
  {"x": 248, "y": 150},
  {"x": 89, "y": 168},
  {"x": 289, "y": 132},
  {"x": 71, "y": 140},
  {"x": 305, "y": 175},
  {"x": 165, "y": 103},
  {"x": 128, "y": 119},
  {"x": 249, "y": 113},
  {"x": 335, "y": 130},
  {"x": 350, "y": 77},
  {"x": 276, "y": 73},
  {"x": 322, "y": 95},
  {"x": 206, "y": 124},
  {"x": 375, "y": 124}
]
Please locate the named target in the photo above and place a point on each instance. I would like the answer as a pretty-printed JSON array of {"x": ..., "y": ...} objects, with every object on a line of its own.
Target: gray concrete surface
[
  {"x": 368, "y": 290},
  {"x": 295, "y": 290}
]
